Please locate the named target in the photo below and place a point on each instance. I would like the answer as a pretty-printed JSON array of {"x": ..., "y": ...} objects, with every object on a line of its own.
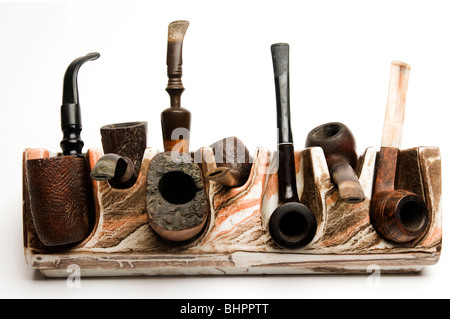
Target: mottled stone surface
[{"x": 235, "y": 240}]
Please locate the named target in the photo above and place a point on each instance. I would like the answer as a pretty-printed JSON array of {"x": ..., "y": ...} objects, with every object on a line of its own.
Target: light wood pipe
[{"x": 398, "y": 215}]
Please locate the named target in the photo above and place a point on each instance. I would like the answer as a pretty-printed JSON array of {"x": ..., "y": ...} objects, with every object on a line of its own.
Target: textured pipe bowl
[
  {"x": 128, "y": 139},
  {"x": 233, "y": 162},
  {"x": 177, "y": 204},
  {"x": 59, "y": 199}
]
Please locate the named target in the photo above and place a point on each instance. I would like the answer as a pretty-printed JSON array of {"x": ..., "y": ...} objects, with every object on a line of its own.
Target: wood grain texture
[
  {"x": 235, "y": 240},
  {"x": 59, "y": 199},
  {"x": 396, "y": 104}
]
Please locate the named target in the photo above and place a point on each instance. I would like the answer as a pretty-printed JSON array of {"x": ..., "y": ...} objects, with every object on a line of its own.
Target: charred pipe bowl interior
[{"x": 234, "y": 239}]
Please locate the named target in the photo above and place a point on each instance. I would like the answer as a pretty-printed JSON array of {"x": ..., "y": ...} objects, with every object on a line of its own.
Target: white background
[{"x": 339, "y": 70}]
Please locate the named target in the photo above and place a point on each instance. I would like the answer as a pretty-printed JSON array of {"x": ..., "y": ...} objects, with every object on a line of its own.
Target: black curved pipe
[
  {"x": 292, "y": 224},
  {"x": 72, "y": 143}
]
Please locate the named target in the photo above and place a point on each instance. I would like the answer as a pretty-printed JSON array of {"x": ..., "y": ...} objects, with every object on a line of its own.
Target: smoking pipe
[
  {"x": 339, "y": 147},
  {"x": 119, "y": 171},
  {"x": 124, "y": 145},
  {"x": 71, "y": 143},
  {"x": 175, "y": 120},
  {"x": 58, "y": 187},
  {"x": 177, "y": 205},
  {"x": 233, "y": 162},
  {"x": 398, "y": 215},
  {"x": 292, "y": 224}
]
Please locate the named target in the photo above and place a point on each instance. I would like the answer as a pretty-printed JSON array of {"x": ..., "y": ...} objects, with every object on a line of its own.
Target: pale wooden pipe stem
[{"x": 395, "y": 107}]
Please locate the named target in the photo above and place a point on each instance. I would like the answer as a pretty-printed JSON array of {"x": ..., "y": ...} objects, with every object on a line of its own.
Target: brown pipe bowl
[
  {"x": 400, "y": 216},
  {"x": 59, "y": 199},
  {"x": 337, "y": 142}
]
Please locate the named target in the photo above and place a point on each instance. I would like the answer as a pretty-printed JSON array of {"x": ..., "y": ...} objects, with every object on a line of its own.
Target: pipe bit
[{"x": 72, "y": 144}]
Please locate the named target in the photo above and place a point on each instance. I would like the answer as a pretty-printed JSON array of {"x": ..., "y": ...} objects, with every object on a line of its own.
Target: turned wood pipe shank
[
  {"x": 177, "y": 204},
  {"x": 292, "y": 224},
  {"x": 339, "y": 147},
  {"x": 175, "y": 120},
  {"x": 398, "y": 215}
]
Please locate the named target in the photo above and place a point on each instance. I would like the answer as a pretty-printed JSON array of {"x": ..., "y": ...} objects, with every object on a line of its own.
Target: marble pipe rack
[{"x": 235, "y": 240}]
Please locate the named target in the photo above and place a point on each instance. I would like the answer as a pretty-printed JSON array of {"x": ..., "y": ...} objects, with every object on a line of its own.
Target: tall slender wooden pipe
[
  {"x": 176, "y": 197},
  {"x": 398, "y": 215},
  {"x": 175, "y": 120},
  {"x": 339, "y": 147},
  {"x": 292, "y": 224}
]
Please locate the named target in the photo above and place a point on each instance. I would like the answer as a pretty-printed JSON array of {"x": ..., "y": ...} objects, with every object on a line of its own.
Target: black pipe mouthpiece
[{"x": 72, "y": 144}]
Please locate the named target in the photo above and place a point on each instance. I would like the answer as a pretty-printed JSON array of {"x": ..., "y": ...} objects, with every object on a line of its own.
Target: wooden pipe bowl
[{"x": 235, "y": 239}]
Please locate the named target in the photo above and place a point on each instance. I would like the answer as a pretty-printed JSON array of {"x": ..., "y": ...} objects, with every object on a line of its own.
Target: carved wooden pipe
[
  {"x": 398, "y": 215},
  {"x": 176, "y": 196},
  {"x": 339, "y": 147},
  {"x": 124, "y": 145},
  {"x": 292, "y": 224},
  {"x": 119, "y": 171},
  {"x": 233, "y": 162},
  {"x": 58, "y": 186}
]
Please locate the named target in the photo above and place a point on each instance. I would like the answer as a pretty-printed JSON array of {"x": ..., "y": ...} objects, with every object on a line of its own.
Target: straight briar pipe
[
  {"x": 398, "y": 215},
  {"x": 339, "y": 147},
  {"x": 292, "y": 224},
  {"x": 233, "y": 162},
  {"x": 58, "y": 187},
  {"x": 177, "y": 205}
]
